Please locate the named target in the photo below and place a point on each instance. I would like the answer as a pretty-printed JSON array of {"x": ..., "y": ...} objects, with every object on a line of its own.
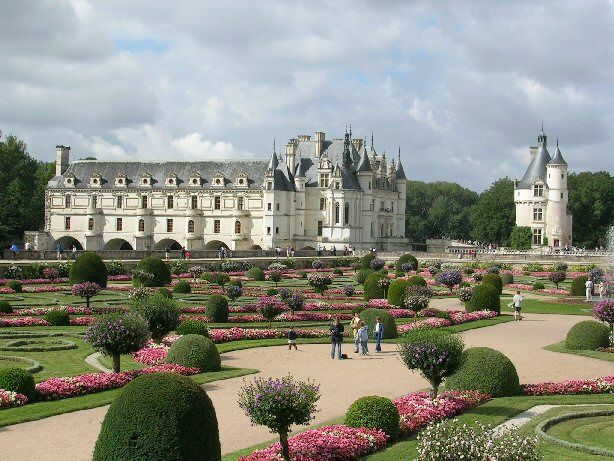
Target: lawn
[
  {"x": 548, "y": 306},
  {"x": 560, "y": 347}
]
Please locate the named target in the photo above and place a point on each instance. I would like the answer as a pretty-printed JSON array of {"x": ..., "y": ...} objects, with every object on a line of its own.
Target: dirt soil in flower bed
[{"x": 342, "y": 382}]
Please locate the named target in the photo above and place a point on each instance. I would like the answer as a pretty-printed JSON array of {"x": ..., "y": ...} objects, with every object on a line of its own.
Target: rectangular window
[
  {"x": 239, "y": 203},
  {"x": 68, "y": 201},
  {"x": 561, "y": 195},
  {"x": 268, "y": 231},
  {"x": 169, "y": 225},
  {"x": 319, "y": 228},
  {"x": 170, "y": 201},
  {"x": 277, "y": 206},
  {"x": 337, "y": 185},
  {"x": 94, "y": 201},
  {"x": 322, "y": 204},
  {"x": 392, "y": 207},
  {"x": 216, "y": 226},
  {"x": 120, "y": 201},
  {"x": 369, "y": 185},
  {"x": 324, "y": 180},
  {"x": 538, "y": 190},
  {"x": 90, "y": 224},
  {"x": 119, "y": 225},
  {"x": 143, "y": 201},
  {"x": 141, "y": 225},
  {"x": 194, "y": 203},
  {"x": 269, "y": 185},
  {"x": 269, "y": 206},
  {"x": 217, "y": 203},
  {"x": 537, "y": 236},
  {"x": 67, "y": 223},
  {"x": 538, "y": 214},
  {"x": 277, "y": 230}
]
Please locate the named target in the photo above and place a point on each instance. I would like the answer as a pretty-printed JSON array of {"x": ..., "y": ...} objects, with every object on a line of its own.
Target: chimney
[
  {"x": 357, "y": 143},
  {"x": 290, "y": 154},
  {"x": 319, "y": 142},
  {"x": 62, "y": 154},
  {"x": 533, "y": 152}
]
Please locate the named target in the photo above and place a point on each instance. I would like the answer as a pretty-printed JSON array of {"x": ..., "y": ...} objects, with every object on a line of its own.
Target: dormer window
[
  {"x": 171, "y": 180},
  {"x": 145, "y": 180},
  {"x": 69, "y": 180},
  {"x": 218, "y": 180},
  {"x": 95, "y": 180},
  {"x": 195, "y": 180},
  {"x": 324, "y": 179},
  {"x": 538, "y": 190},
  {"x": 241, "y": 180},
  {"x": 121, "y": 180}
]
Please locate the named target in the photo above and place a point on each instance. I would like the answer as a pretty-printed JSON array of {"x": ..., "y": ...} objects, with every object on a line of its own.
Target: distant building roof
[{"x": 538, "y": 166}]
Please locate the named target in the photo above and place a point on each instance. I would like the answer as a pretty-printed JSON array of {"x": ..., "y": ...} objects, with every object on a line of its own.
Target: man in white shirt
[
  {"x": 517, "y": 301},
  {"x": 589, "y": 289}
]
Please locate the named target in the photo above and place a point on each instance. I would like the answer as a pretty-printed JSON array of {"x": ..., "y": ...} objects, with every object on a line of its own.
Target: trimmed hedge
[
  {"x": 578, "y": 287},
  {"x": 406, "y": 258},
  {"x": 390, "y": 326},
  {"x": 195, "y": 351},
  {"x": 161, "y": 416},
  {"x": 88, "y": 268},
  {"x": 193, "y": 327},
  {"x": 374, "y": 412},
  {"x": 257, "y": 274},
  {"x": 486, "y": 370},
  {"x": 58, "y": 317},
  {"x": 156, "y": 267},
  {"x": 216, "y": 308},
  {"x": 485, "y": 297},
  {"x": 396, "y": 292},
  {"x": 15, "y": 286},
  {"x": 362, "y": 274},
  {"x": 507, "y": 278},
  {"x": 416, "y": 281},
  {"x": 5, "y": 307},
  {"x": 365, "y": 261},
  {"x": 588, "y": 335},
  {"x": 182, "y": 287},
  {"x": 18, "y": 380},
  {"x": 372, "y": 290},
  {"x": 494, "y": 280}
]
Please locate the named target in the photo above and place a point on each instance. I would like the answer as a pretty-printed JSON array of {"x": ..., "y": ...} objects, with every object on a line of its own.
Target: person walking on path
[
  {"x": 363, "y": 336},
  {"x": 355, "y": 326},
  {"x": 15, "y": 250},
  {"x": 59, "y": 250},
  {"x": 589, "y": 289},
  {"x": 167, "y": 251},
  {"x": 336, "y": 337},
  {"x": 183, "y": 251},
  {"x": 292, "y": 337},
  {"x": 378, "y": 334},
  {"x": 73, "y": 252},
  {"x": 517, "y": 303}
]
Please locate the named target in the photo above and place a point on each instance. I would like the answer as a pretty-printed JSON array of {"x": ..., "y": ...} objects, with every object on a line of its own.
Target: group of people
[
  {"x": 347, "y": 250},
  {"x": 290, "y": 251},
  {"x": 599, "y": 289},
  {"x": 59, "y": 252}
]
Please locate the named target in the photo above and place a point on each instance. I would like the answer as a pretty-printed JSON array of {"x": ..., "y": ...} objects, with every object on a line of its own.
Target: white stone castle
[
  {"x": 542, "y": 197},
  {"x": 324, "y": 193}
]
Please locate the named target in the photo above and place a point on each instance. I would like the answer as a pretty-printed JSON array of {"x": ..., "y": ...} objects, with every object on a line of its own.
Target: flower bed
[
  {"x": 457, "y": 318},
  {"x": 604, "y": 385},
  {"x": 71, "y": 310},
  {"x": 330, "y": 443},
  {"x": 39, "y": 321},
  {"x": 11, "y": 399},
  {"x": 526, "y": 287}
]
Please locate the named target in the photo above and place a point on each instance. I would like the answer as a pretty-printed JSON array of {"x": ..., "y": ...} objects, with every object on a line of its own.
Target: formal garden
[{"x": 85, "y": 334}]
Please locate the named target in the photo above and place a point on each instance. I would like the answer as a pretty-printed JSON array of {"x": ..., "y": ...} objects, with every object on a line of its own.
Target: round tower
[{"x": 558, "y": 221}]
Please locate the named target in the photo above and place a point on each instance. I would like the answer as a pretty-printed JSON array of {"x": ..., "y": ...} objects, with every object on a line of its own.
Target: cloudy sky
[{"x": 462, "y": 87}]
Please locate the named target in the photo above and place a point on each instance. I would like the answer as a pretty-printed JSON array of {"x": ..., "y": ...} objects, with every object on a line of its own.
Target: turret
[
  {"x": 557, "y": 170},
  {"x": 62, "y": 155}
]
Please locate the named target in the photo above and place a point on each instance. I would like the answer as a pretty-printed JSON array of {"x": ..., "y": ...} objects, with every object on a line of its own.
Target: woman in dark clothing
[{"x": 336, "y": 337}]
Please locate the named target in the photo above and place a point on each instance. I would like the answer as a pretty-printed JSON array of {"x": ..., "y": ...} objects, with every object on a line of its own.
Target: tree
[
  {"x": 160, "y": 312},
  {"x": 494, "y": 215},
  {"x": 86, "y": 290},
  {"x": 591, "y": 202},
  {"x": 417, "y": 298},
  {"x": 521, "y": 238},
  {"x": 270, "y": 307},
  {"x": 278, "y": 404},
  {"x": 557, "y": 277},
  {"x": 450, "y": 278}
]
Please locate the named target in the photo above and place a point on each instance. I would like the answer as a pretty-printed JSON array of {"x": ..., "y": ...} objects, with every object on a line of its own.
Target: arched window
[
  {"x": 90, "y": 224},
  {"x": 141, "y": 225},
  {"x": 237, "y": 227},
  {"x": 190, "y": 226},
  {"x": 337, "y": 213},
  {"x": 346, "y": 213}
]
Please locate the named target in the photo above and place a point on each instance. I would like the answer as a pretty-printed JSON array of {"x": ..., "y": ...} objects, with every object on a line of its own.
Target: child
[
  {"x": 363, "y": 336},
  {"x": 292, "y": 336}
]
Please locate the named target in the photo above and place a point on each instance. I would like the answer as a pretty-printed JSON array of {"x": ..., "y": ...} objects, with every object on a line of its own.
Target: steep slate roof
[
  {"x": 159, "y": 171},
  {"x": 558, "y": 157},
  {"x": 306, "y": 152},
  {"x": 537, "y": 167}
]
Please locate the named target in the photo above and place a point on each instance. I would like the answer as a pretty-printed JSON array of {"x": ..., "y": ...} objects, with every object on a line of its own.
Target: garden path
[{"x": 73, "y": 435}]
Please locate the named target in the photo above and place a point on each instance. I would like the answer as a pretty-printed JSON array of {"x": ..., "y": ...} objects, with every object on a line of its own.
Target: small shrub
[
  {"x": 220, "y": 278},
  {"x": 195, "y": 351},
  {"x": 317, "y": 264},
  {"x": 494, "y": 280},
  {"x": 163, "y": 291},
  {"x": 275, "y": 276},
  {"x": 465, "y": 294},
  {"x": 417, "y": 298},
  {"x": 296, "y": 302},
  {"x": 588, "y": 335},
  {"x": 410, "y": 260},
  {"x": 319, "y": 282},
  {"x": 85, "y": 290},
  {"x": 257, "y": 274},
  {"x": 302, "y": 274},
  {"x": 361, "y": 276},
  {"x": 161, "y": 314},
  {"x": 269, "y": 307},
  {"x": 358, "y": 309},
  {"x": 501, "y": 379},
  {"x": 15, "y": 286},
  {"x": 229, "y": 266},
  {"x": 365, "y": 261},
  {"x": 597, "y": 275},
  {"x": 18, "y": 380},
  {"x": 375, "y": 413},
  {"x": 396, "y": 292},
  {"x": 477, "y": 277},
  {"x": 183, "y": 287},
  {"x": 557, "y": 277},
  {"x": 216, "y": 308},
  {"x": 272, "y": 292},
  {"x": 507, "y": 278},
  {"x": 151, "y": 272},
  {"x": 337, "y": 271},
  {"x": 372, "y": 288},
  {"x": 193, "y": 327},
  {"x": 538, "y": 286},
  {"x": 603, "y": 310},
  {"x": 377, "y": 264},
  {"x": 234, "y": 292},
  {"x": 88, "y": 268},
  {"x": 115, "y": 268},
  {"x": 416, "y": 280},
  {"x": 5, "y": 307},
  {"x": 58, "y": 317},
  {"x": 349, "y": 290},
  {"x": 369, "y": 316},
  {"x": 485, "y": 297},
  {"x": 560, "y": 267},
  {"x": 51, "y": 273},
  {"x": 13, "y": 272},
  {"x": 578, "y": 287},
  {"x": 450, "y": 277}
]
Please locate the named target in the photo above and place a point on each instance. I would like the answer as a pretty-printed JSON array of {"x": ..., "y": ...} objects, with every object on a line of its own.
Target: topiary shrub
[
  {"x": 406, "y": 259},
  {"x": 375, "y": 413},
  {"x": 485, "y": 297},
  {"x": 494, "y": 280},
  {"x": 216, "y": 308},
  {"x": 162, "y": 416},
  {"x": 588, "y": 335},
  {"x": 257, "y": 274},
  {"x": 396, "y": 292},
  {"x": 361, "y": 275},
  {"x": 365, "y": 261},
  {"x": 18, "y": 380},
  {"x": 578, "y": 287},
  {"x": 538, "y": 286},
  {"x": 193, "y": 327},
  {"x": 151, "y": 272},
  {"x": 15, "y": 286},
  {"x": 372, "y": 288},
  {"x": 337, "y": 271},
  {"x": 183, "y": 287},
  {"x": 302, "y": 274},
  {"x": 507, "y": 278},
  {"x": 486, "y": 370},
  {"x": 163, "y": 291},
  {"x": 57, "y": 317},
  {"x": 416, "y": 281},
  {"x": 160, "y": 312},
  {"x": 272, "y": 292},
  {"x": 5, "y": 307},
  {"x": 88, "y": 268},
  {"x": 195, "y": 351},
  {"x": 390, "y": 326}
]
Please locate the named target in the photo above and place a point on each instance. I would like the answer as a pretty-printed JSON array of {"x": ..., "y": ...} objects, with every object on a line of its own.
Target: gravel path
[
  {"x": 341, "y": 382},
  {"x": 94, "y": 360}
]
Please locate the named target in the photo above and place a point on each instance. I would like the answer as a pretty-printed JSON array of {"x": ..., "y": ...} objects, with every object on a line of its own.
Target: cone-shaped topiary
[
  {"x": 485, "y": 297},
  {"x": 390, "y": 327},
  {"x": 588, "y": 335},
  {"x": 17, "y": 380},
  {"x": 397, "y": 291},
  {"x": 372, "y": 288},
  {"x": 494, "y": 280},
  {"x": 486, "y": 370},
  {"x": 151, "y": 272},
  {"x": 578, "y": 287},
  {"x": 161, "y": 416},
  {"x": 375, "y": 413},
  {"x": 195, "y": 351},
  {"x": 88, "y": 268}
]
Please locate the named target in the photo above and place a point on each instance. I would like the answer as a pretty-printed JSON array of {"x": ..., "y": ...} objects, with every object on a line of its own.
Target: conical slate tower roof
[
  {"x": 558, "y": 157},
  {"x": 538, "y": 166}
]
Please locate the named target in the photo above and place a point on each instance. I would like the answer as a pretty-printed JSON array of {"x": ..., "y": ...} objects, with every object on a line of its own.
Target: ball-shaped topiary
[
  {"x": 162, "y": 416},
  {"x": 57, "y": 317},
  {"x": 390, "y": 327},
  {"x": 374, "y": 412},
  {"x": 404, "y": 259},
  {"x": 365, "y": 261},
  {"x": 195, "y": 351},
  {"x": 362, "y": 274},
  {"x": 578, "y": 286},
  {"x": 588, "y": 335},
  {"x": 15, "y": 286},
  {"x": 507, "y": 278},
  {"x": 5, "y": 307},
  {"x": 485, "y": 297},
  {"x": 396, "y": 292},
  {"x": 193, "y": 327},
  {"x": 372, "y": 288},
  {"x": 18, "y": 380},
  {"x": 494, "y": 280},
  {"x": 216, "y": 308},
  {"x": 183, "y": 287},
  {"x": 257, "y": 274},
  {"x": 88, "y": 268},
  {"x": 151, "y": 272},
  {"x": 416, "y": 280},
  {"x": 486, "y": 370}
]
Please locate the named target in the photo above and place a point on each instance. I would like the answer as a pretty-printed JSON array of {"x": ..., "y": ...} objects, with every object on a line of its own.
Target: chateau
[
  {"x": 541, "y": 196},
  {"x": 327, "y": 193}
]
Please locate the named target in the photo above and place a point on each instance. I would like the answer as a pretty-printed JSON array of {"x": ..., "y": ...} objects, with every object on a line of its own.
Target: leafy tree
[
  {"x": 521, "y": 238},
  {"x": 270, "y": 307},
  {"x": 494, "y": 215},
  {"x": 160, "y": 312}
]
